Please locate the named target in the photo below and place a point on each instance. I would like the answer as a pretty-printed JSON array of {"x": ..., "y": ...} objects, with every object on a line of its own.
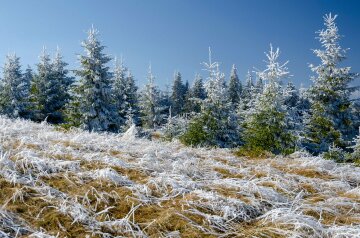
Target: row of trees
[{"x": 261, "y": 115}]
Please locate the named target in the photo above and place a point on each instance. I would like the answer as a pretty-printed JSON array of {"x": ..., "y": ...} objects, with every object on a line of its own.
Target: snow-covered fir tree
[
  {"x": 215, "y": 86},
  {"x": 14, "y": 94},
  {"x": 247, "y": 94},
  {"x": 60, "y": 81},
  {"x": 91, "y": 106},
  {"x": 186, "y": 87},
  {"x": 248, "y": 98},
  {"x": 296, "y": 106},
  {"x": 266, "y": 128},
  {"x": 235, "y": 87},
  {"x": 42, "y": 86},
  {"x": 119, "y": 96},
  {"x": 198, "y": 89},
  {"x": 132, "y": 110},
  {"x": 165, "y": 105},
  {"x": 330, "y": 122},
  {"x": 28, "y": 78},
  {"x": 150, "y": 103},
  {"x": 195, "y": 95},
  {"x": 125, "y": 96},
  {"x": 216, "y": 124},
  {"x": 178, "y": 95},
  {"x": 259, "y": 86},
  {"x": 50, "y": 88}
]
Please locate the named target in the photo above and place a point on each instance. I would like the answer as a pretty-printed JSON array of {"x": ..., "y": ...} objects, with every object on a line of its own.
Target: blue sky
[{"x": 175, "y": 35}]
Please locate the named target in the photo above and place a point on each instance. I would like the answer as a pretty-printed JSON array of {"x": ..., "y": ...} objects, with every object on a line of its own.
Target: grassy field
[{"x": 77, "y": 184}]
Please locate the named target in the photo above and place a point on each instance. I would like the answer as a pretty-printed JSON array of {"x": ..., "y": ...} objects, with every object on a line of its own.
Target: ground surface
[{"x": 78, "y": 184}]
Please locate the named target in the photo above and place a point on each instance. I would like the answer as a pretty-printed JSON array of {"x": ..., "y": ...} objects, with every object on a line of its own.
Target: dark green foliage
[
  {"x": 179, "y": 91},
  {"x": 194, "y": 96},
  {"x": 201, "y": 131},
  {"x": 235, "y": 88},
  {"x": 267, "y": 132},
  {"x": 253, "y": 152}
]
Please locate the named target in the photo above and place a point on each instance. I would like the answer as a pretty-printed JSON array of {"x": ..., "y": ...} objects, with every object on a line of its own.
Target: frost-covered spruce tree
[
  {"x": 248, "y": 97},
  {"x": 235, "y": 87},
  {"x": 198, "y": 89},
  {"x": 178, "y": 95},
  {"x": 28, "y": 78},
  {"x": 216, "y": 124},
  {"x": 291, "y": 101},
  {"x": 132, "y": 110},
  {"x": 164, "y": 106},
  {"x": 92, "y": 94},
  {"x": 150, "y": 103},
  {"x": 266, "y": 128},
  {"x": 297, "y": 106},
  {"x": 125, "y": 96},
  {"x": 186, "y": 87},
  {"x": 42, "y": 86},
  {"x": 60, "y": 81},
  {"x": 247, "y": 92},
  {"x": 119, "y": 96},
  {"x": 14, "y": 89},
  {"x": 195, "y": 95},
  {"x": 330, "y": 122},
  {"x": 50, "y": 88},
  {"x": 259, "y": 86}
]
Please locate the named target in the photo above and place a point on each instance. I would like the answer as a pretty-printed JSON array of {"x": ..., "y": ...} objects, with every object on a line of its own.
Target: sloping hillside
[{"x": 79, "y": 184}]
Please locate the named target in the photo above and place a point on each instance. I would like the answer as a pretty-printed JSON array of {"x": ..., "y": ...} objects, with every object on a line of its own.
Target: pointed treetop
[
  {"x": 249, "y": 79},
  {"x": 211, "y": 66},
  {"x": 274, "y": 71},
  {"x": 233, "y": 70},
  {"x": 150, "y": 76}
]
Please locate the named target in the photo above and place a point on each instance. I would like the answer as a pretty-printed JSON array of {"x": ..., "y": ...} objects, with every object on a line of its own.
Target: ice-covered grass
[{"x": 68, "y": 184}]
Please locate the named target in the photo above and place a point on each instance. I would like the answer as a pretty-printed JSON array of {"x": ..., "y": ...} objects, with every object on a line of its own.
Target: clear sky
[{"x": 175, "y": 35}]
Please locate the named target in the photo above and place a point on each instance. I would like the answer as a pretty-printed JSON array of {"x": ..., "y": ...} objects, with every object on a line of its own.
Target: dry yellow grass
[{"x": 80, "y": 184}]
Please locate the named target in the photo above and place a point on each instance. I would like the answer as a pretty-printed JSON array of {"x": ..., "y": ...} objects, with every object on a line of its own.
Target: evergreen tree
[
  {"x": 119, "y": 96},
  {"x": 178, "y": 95},
  {"x": 248, "y": 98},
  {"x": 125, "y": 97},
  {"x": 132, "y": 110},
  {"x": 40, "y": 87},
  {"x": 91, "y": 104},
  {"x": 216, "y": 124},
  {"x": 198, "y": 90},
  {"x": 297, "y": 107},
  {"x": 259, "y": 86},
  {"x": 247, "y": 91},
  {"x": 28, "y": 78},
  {"x": 235, "y": 87},
  {"x": 50, "y": 88},
  {"x": 164, "y": 107},
  {"x": 14, "y": 89},
  {"x": 330, "y": 122},
  {"x": 186, "y": 87},
  {"x": 59, "y": 81},
  {"x": 150, "y": 103},
  {"x": 194, "y": 96},
  {"x": 266, "y": 128}
]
